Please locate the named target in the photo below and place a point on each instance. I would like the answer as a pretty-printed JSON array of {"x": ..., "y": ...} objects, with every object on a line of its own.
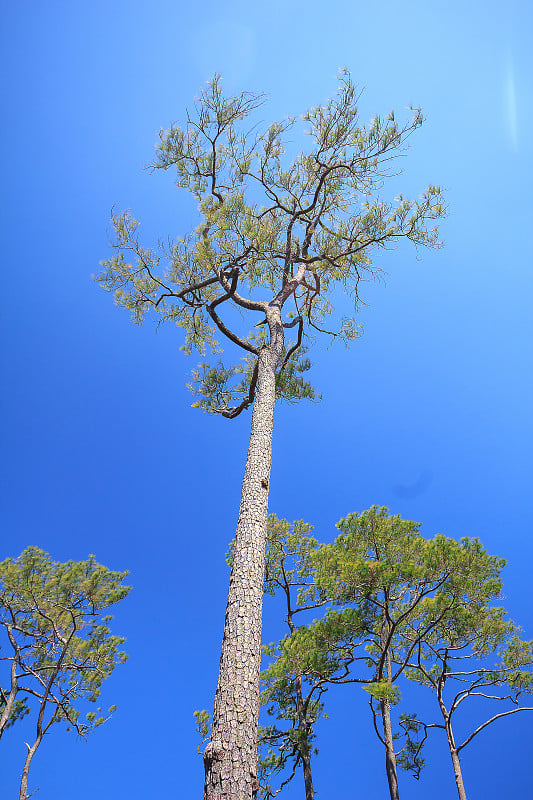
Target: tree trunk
[
  {"x": 390, "y": 758},
  {"x": 308, "y": 778},
  {"x": 4, "y": 719},
  {"x": 302, "y": 727},
  {"x": 306, "y": 756},
  {"x": 455, "y": 761},
  {"x": 446, "y": 716},
  {"x": 41, "y": 730},
  {"x": 33, "y": 749},
  {"x": 26, "y": 769},
  {"x": 230, "y": 758}
]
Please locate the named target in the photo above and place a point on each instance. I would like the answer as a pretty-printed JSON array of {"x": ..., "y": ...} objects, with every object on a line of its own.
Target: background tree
[
  {"x": 475, "y": 653},
  {"x": 275, "y": 239},
  {"x": 384, "y": 578},
  {"x": 378, "y": 570},
  {"x": 61, "y": 646},
  {"x": 292, "y": 699},
  {"x": 360, "y": 570}
]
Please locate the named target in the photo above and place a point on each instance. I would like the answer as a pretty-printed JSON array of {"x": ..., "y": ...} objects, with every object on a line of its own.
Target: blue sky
[{"x": 428, "y": 413}]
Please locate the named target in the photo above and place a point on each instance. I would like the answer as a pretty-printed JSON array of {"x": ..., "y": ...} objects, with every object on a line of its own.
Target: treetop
[{"x": 275, "y": 235}]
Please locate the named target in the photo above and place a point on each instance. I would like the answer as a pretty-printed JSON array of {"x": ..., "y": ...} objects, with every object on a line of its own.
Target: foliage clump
[{"x": 59, "y": 646}]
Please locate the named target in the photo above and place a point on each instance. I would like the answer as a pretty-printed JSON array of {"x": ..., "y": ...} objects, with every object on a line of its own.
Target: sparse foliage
[
  {"x": 390, "y": 591},
  {"x": 60, "y": 646},
  {"x": 473, "y": 655},
  {"x": 295, "y": 231}
]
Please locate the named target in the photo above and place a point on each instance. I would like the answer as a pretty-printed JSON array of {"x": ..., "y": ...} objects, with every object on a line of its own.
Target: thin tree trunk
[
  {"x": 390, "y": 757},
  {"x": 308, "y": 778},
  {"x": 33, "y": 749},
  {"x": 302, "y": 727},
  {"x": 446, "y": 716},
  {"x": 24, "y": 780},
  {"x": 4, "y": 719},
  {"x": 455, "y": 760},
  {"x": 305, "y": 754},
  {"x": 230, "y": 758},
  {"x": 45, "y": 699}
]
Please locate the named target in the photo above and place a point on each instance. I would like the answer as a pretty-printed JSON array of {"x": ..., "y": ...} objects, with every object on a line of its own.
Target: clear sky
[{"x": 429, "y": 413}]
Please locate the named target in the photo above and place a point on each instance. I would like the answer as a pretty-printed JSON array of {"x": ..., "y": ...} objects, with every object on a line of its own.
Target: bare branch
[
  {"x": 488, "y": 722},
  {"x": 233, "y": 412}
]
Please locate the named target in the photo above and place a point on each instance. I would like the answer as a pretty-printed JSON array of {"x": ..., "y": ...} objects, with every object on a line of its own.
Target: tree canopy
[
  {"x": 59, "y": 644},
  {"x": 271, "y": 230},
  {"x": 397, "y": 607}
]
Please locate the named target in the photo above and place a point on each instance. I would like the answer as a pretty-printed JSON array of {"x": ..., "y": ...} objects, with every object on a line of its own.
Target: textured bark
[{"x": 230, "y": 758}]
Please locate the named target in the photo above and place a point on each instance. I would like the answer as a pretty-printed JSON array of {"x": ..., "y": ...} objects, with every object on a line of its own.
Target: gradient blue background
[{"x": 429, "y": 413}]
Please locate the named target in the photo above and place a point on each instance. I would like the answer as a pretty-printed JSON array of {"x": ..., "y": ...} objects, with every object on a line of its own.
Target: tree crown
[
  {"x": 61, "y": 641},
  {"x": 272, "y": 232}
]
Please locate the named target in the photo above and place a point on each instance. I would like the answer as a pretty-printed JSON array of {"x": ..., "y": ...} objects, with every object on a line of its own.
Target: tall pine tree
[{"x": 277, "y": 241}]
